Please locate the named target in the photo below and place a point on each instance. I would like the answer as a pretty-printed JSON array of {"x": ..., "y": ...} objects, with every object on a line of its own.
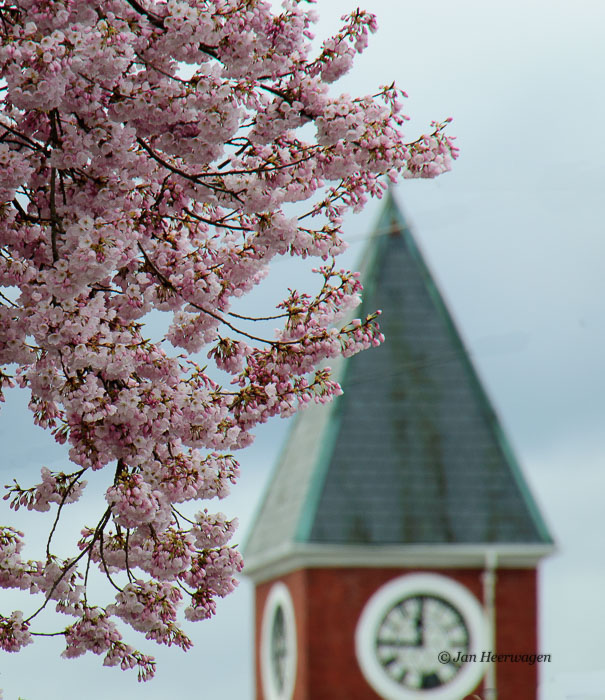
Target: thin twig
[
  {"x": 177, "y": 171},
  {"x": 257, "y": 318},
  {"x": 65, "y": 495},
  {"x": 9, "y": 301},
  {"x": 105, "y": 564},
  {"x": 99, "y": 529},
  {"x": 54, "y": 222},
  {"x": 169, "y": 284},
  {"x": 126, "y": 546},
  {"x": 180, "y": 515}
]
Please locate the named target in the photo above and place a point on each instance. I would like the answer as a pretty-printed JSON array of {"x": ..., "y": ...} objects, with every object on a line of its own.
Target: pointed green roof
[{"x": 412, "y": 455}]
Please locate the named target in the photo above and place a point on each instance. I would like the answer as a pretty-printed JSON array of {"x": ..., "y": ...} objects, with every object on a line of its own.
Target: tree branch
[
  {"x": 60, "y": 508},
  {"x": 99, "y": 529},
  {"x": 169, "y": 284}
]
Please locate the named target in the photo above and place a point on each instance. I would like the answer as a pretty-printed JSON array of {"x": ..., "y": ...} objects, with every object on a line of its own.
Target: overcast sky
[{"x": 514, "y": 237}]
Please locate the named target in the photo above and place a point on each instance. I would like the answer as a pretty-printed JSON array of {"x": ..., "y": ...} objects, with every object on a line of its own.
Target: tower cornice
[{"x": 297, "y": 556}]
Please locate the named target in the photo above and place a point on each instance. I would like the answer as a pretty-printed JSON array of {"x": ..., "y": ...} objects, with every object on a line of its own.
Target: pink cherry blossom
[
  {"x": 157, "y": 156},
  {"x": 14, "y": 632}
]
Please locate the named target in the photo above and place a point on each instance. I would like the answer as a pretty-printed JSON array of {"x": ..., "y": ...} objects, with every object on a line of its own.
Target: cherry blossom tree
[{"x": 156, "y": 156}]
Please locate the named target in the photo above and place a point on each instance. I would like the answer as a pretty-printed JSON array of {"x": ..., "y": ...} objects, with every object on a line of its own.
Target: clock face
[
  {"x": 416, "y": 635},
  {"x": 279, "y": 648},
  {"x": 278, "y": 645},
  {"x": 412, "y": 634}
]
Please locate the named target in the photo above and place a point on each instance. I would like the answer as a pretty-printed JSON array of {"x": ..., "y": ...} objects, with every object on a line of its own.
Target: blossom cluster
[
  {"x": 151, "y": 607},
  {"x": 96, "y": 632},
  {"x": 153, "y": 159},
  {"x": 54, "y": 488},
  {"x": 14, "y": 632}
]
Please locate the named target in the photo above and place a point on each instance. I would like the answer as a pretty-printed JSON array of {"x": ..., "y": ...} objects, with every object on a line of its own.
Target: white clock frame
[
  {"x": 389, "y": 595},
  {"x": 279, "y": 597}
]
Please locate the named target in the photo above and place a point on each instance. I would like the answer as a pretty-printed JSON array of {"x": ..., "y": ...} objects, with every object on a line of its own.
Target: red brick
[{"x": 329, "y": 602}]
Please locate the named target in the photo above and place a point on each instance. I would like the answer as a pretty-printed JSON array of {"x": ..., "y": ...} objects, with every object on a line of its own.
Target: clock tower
[{"x": 394, "y": 554}]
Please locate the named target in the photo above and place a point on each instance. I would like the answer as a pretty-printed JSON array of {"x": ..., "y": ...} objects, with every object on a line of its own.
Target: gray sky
[{"x": 514, "y": 238}]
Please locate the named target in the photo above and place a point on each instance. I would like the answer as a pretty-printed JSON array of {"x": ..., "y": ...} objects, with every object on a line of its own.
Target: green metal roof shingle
[{"x": 412, "y": 453}]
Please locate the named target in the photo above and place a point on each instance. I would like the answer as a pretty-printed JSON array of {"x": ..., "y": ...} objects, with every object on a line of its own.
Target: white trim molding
[
  {"x": 278, "y": 611},
  {"x": 293, "y": 557}
]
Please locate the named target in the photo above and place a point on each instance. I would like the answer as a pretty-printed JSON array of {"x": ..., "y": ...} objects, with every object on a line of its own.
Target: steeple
[{"x": 410, "y": 464}]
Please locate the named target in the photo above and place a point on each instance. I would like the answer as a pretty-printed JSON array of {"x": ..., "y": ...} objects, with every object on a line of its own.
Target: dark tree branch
[
  {"x": 170, "y": 286},
  {"x": 99, "y": 529},
  {"x": 60, "y": 508}
]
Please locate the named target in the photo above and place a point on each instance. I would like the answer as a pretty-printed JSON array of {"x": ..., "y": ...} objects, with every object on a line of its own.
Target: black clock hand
[
  {"x": 382, "y": 642},
  {"x": 420, "y": 623}
]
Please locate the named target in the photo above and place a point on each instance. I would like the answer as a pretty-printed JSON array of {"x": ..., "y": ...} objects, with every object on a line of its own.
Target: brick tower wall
[{"x": 329, "y": 602}]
